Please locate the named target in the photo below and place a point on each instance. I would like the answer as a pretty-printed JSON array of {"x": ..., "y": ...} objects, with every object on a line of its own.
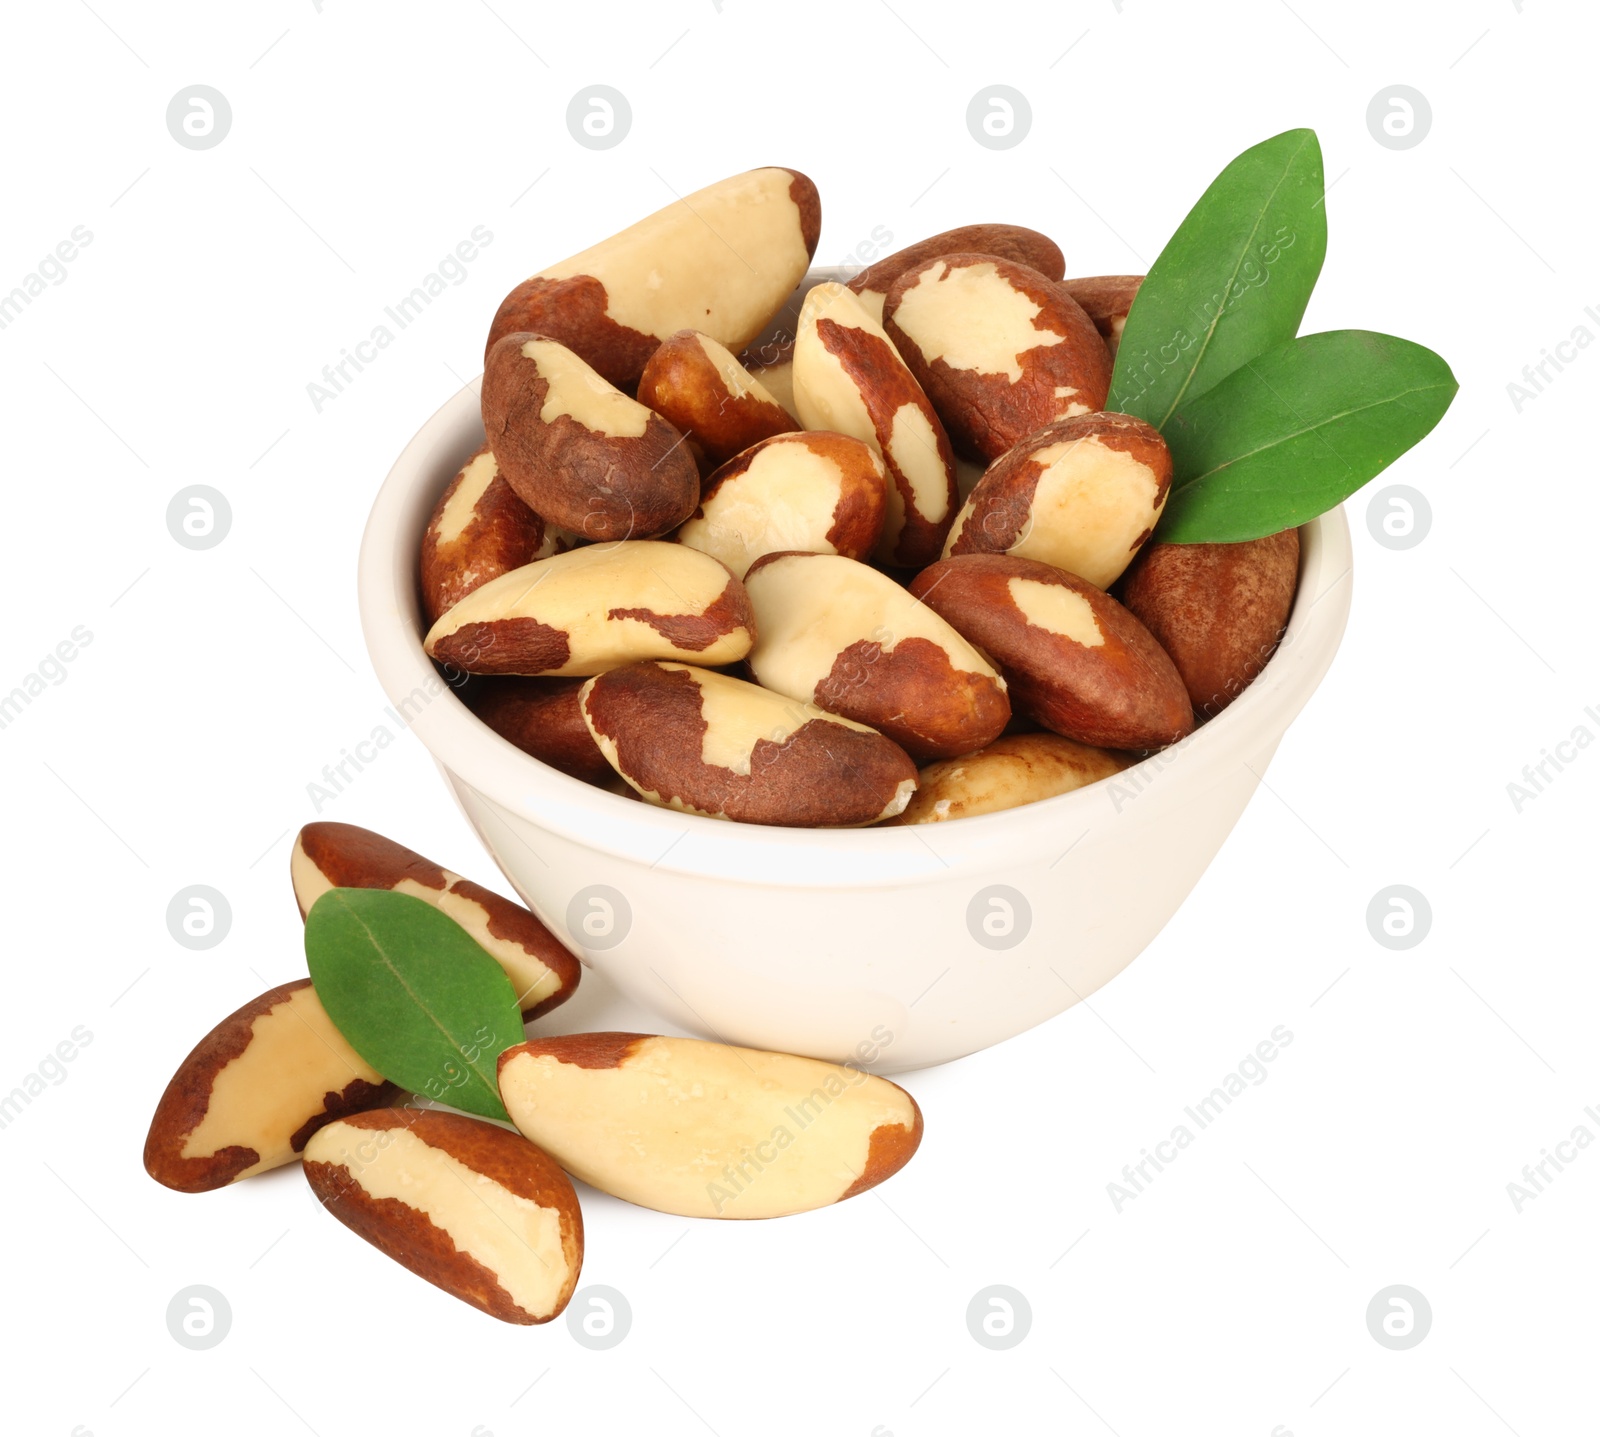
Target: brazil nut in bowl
[{"x": 811, "y": 739}]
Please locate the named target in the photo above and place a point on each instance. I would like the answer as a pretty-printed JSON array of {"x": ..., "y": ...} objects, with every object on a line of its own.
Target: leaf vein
[
  {"x": 1238, "y": 265},
  {"x": 1311, "y": 429},
  {"x": 422, "y": 1007}
]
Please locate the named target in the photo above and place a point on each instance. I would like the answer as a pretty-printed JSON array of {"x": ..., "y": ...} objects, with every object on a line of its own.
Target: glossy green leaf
[
  {"x": 1296, "y": 431},
  {"x": 1232, "y": 283},
  {"x": 413, "y": 994}
]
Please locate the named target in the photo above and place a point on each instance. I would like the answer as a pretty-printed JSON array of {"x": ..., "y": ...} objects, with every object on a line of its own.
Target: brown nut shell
[
  {"x": 1082, "y": 494},
  {"x": 851, "y": 640},
  {"x": 1106, "y": 299},
  {"x": 702, "y": 742},
  {"x": 479, "y": 1212},
  {"x": 254, "y": 1090},
  {"x": 705, "y": 1129},
  {"x": 1001, "y": 350},
  {"x": 479, "y": 530},
  {"x": 820, "y": 492},
  {"x": 542, "y": 718},
  {"x": 1218, "y": 609},
  {"x": 1013, "y": 242},
  {"x": 1014, "y": 770},
  {"x": 579, "y": 451},
  {"x": 341, "y": 855},
  {"x": 1074, "y": 659},
  {"x": 721, "y": 260},
  {"x": 698, "y": 387}
]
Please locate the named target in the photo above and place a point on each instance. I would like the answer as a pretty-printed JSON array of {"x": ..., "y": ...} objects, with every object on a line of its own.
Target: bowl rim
[{"x": 469, "y": 751}]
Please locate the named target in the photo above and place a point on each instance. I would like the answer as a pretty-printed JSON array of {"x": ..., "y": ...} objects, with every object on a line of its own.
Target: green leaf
[
  {"x": 413, "y": 994},
  {"x": 1232, "y": 283},
  {"x": 1296, "y": 432}
]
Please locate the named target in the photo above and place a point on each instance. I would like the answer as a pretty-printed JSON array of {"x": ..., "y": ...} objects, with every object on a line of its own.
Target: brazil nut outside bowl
[{"x": 892, "y": 948}]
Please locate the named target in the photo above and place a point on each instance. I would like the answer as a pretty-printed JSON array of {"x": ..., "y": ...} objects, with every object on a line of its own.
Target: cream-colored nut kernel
[
  {"x": 477, "y": 1211},
  {"x": 773, "y": 368},
  {"x": 705, "y": 743},
  {"x": 595, "y": 609},
  {"x": 696, "y": 385},
  {"x": 478, "y": 531},
  {"x": 1017, "y": 769},
  {"x": 820, "y": 492},
  {"x": 254, "y": 1090},
  {"x": 1055, "y": 609},
  {"x": 848, "y": 377},
  {"x": 579, "y": 451},
  {"x": 706, "y": 1130},
  {"x": 966, "y": 312},
  {"x": 575, "y": 391},
  {"x": 721, "y": 260},
  {"x": 1082, "y": 494},
  {"x": 1012, "y": 242},
  {"x": 999, "y": 349},
  {"x": 849, "y": 639},
  {"x": 340, "y": 855}
]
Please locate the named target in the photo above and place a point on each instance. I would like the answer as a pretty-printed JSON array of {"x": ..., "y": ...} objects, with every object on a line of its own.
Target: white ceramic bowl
[{"x": 892, "y": 948}]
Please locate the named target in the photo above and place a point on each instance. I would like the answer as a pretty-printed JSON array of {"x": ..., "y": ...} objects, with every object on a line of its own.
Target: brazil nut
[
  {"x": 1074, "y": 659},
  {"x": 849, "y": 639},
  {"x": 702, "y": 742}
]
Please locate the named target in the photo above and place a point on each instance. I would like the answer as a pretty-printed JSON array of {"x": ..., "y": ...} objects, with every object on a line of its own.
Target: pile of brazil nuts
[
  {"x": 905, "y": 553},
  {"x": 489, "y": 1214}
]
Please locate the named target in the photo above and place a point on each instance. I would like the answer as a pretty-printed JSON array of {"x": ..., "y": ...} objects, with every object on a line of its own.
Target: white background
[{"x": 1230, "y": 1296}]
